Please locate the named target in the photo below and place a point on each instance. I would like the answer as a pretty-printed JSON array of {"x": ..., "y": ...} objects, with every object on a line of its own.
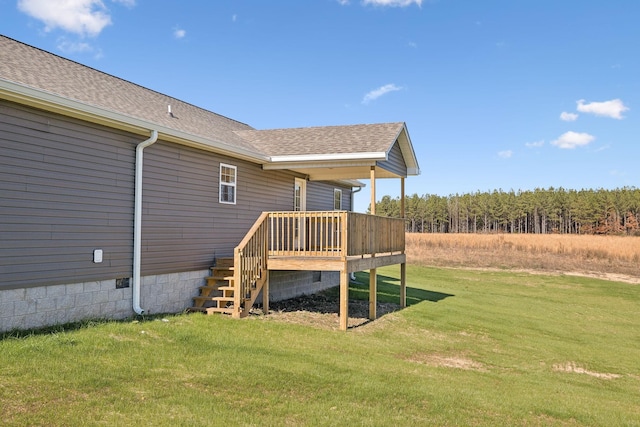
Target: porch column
[
  {"x": 402, "y": 212},
  {"x": 403, "y": 266},
  {"x": 344, "y": 299},
  {"x": 373, "y": 190},
  {"x": 373, "y": 281}
]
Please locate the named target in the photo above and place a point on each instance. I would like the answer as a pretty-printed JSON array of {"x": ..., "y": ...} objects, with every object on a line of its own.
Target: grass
[{"x": 473, "y": 348}]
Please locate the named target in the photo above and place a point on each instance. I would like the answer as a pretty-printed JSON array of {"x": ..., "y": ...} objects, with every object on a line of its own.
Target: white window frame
[
  {"x": 337, "y": 206},
  {"x": 224, "y": 183}
]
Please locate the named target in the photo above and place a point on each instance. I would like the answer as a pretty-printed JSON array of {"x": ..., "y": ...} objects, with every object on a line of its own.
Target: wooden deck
[
  {"x": 322, "y": 240},
  {"x": 349, "y": 265}
]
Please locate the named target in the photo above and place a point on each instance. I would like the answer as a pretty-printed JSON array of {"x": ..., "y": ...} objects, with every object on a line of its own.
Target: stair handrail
[{"x": 250, "y": 262}]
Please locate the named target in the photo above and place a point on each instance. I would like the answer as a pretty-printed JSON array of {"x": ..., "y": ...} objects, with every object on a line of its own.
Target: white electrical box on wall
[{"x": 97, "y": 256}]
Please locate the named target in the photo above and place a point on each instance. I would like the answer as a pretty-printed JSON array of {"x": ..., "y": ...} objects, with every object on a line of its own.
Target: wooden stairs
[{"x": 218, "y": 295}]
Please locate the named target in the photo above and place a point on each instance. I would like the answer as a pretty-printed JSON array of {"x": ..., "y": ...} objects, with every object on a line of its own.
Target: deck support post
[
  {"x": 372, "y": 209},
  {"x": 265, "y": 294},
  {"x": 344, "y": 299},
  {"x": 403, "y": 285},
  {"x": 373, "y": 293}
]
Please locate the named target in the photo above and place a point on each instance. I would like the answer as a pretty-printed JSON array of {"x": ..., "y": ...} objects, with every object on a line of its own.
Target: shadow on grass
[
  {"x": 389, "y": 290},
  {"x": 328, "y": 301},
  {"x": 76, "y": 326}
]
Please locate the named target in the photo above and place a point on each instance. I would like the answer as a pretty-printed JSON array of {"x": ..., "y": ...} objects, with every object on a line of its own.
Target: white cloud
[
  {"x": 506, "y": 154},
  {"x": 568, "y": 117},
  {"x": 571, "y": 140},
  {"x": 68, "y": 46},
  {"x": 83, "y": 17},
  {"x": 234, "y": 18},
  {"x": 535, "y": 144},
  {"x": 613, "y": 108},
  {"x": 392, "y": 3},
  {"x": 377, "y": 93},
  {"x": 179, "y": 33}
]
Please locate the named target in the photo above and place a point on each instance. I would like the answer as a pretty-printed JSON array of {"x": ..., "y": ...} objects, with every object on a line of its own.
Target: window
[
  {"x": 228, "y": 179},
  {"x": 337, "y": 199}
]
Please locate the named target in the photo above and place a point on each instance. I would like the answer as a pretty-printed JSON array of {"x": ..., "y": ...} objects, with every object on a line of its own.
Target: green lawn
[{"x": 473, "y": 348}]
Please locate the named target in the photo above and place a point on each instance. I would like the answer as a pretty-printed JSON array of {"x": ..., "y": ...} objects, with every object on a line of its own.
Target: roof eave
[
  {"x": 409, "y": 154},
  {"x": 327, "y": 158},
  {"x": 48, "y": 101}
]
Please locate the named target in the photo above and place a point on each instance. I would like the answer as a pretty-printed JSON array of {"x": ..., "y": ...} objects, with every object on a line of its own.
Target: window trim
[
  {"x": 233, "y": 184},
  {"x": 337, "y": 191}
]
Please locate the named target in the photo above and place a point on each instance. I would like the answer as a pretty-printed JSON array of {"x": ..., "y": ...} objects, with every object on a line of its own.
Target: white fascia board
[
  {"x": 352, "y": 182},
  {"x": 315, "y": 165},
  {"x": 335, "y": 157},
  {"x": 22, "y": 94},
  {"x": 407, "y": 148}
]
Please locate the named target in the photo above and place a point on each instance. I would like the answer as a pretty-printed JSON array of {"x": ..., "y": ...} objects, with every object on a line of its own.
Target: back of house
[{"x": 88, "y": 160}]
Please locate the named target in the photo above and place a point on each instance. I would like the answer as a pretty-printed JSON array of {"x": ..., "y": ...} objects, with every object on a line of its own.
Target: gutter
[
  {"x": 137, "y": 220},
  {"x": 38, "y": 98}
]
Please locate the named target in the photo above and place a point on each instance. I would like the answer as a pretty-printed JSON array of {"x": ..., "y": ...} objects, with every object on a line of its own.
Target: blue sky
[{"x": 495, "y": 93}]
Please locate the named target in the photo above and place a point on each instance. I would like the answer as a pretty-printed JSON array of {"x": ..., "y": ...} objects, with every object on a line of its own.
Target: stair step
[
  {"x": 209, "y": 288},
  {"x": 230, "y": 268},
  {"x": 220, "y": 277},
  {"x": 223, "y": 267},
  {"x": 210, "y": 310},
  {"x": 218, "y": 299},
  {"x": 224, "y": 263}
]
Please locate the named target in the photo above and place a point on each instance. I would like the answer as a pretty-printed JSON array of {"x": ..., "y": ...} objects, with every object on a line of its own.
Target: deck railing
[
  {"x": 310, "y": 234},
  {"x": 370, "y": 234},
  {"x": 333, "y": 234}
]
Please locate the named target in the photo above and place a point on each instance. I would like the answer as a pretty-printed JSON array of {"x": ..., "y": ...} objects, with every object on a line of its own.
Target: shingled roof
[
  {"x": 326, "y": 139},
  {"x": 45, "y": 80}
]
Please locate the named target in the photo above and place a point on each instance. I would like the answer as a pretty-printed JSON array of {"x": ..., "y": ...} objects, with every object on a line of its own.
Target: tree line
[{"x": 540, "y": 211}]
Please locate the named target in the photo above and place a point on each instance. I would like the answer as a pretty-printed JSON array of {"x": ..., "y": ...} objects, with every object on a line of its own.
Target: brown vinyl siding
[
  {"x": 66, "y": 189},
  {"x": 320, "y": 196},
  {"x": 396, "y": 163},
  {"x": 184, "y": 224}
]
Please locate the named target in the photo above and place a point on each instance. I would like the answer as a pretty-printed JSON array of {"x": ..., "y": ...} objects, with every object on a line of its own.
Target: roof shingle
[
  {"x": 43, "y": 71},
  {"x": 366, "y": 138}
]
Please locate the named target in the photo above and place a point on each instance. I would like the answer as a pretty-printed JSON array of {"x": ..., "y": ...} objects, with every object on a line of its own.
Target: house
[{"x": 116, "y": 199}]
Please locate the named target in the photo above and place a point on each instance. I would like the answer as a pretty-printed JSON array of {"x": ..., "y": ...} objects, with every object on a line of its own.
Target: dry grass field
[{"x": 600, "y": 256}]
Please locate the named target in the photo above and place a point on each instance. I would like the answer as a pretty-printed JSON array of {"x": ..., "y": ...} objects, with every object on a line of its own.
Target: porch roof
[{"x": 337, "y": 152}]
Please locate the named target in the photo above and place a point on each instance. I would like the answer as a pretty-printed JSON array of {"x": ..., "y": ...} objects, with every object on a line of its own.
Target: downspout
[
  {"x": 352, "y": 276},
  {"x": 137, "y": 221},
  {"x": 353, "y": 199}
]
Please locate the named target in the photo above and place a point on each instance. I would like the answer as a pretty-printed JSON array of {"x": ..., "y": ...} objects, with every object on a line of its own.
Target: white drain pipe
[
  {"x": 137, "y": 221},
  {"x": 352, "y": 276}
]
